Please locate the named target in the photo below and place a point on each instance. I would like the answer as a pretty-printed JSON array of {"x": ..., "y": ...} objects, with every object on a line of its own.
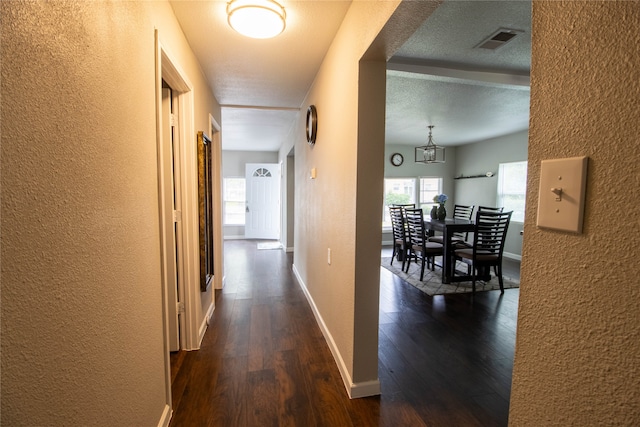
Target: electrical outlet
[{"x": 329, "y": 256}]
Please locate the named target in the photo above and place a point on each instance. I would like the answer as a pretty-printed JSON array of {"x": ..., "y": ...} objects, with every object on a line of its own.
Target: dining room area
[
  {"x": 456, "y": 136},
  {"x": 440, "y": 305},
  {"x": 465, "y": 248},
  {"x": 483, "y": 181},
  {"x": 456, "y": 313}
]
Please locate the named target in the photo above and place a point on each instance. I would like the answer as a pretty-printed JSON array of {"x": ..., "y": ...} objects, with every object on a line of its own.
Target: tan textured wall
[
  {"x": 325, "y": 206},
  {"x": 578, "y": 344},
  {"x": 349, "y": 177},
  {"x": 82, "y": 338}
]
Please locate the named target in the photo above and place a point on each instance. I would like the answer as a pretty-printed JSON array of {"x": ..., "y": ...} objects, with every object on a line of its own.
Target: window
[
  {"x": 429, "y": 188},
  {"x": 234, "y": 201},
  {"x": 512, "y": 188},
  {"x": 397, "y": 191},
  {"x": 408, "y": 190}
]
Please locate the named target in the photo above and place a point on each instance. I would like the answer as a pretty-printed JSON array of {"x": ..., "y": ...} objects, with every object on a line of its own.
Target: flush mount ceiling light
[
  {"x": 259, "y": 19},
  {"x": 430, "y": 153}
]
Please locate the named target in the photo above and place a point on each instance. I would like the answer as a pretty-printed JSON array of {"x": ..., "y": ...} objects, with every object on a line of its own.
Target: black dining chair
[
  {"x": 465, "y": 243},
  {"x": 400, "y": 234},
  {"x": 420, "y": 247},
  {"x": 488, "y": 246},
  {"x": 459, "y": 212}
]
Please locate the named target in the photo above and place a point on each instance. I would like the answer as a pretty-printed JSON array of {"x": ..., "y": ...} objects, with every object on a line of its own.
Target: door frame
[
  {"x": 218, "y": 229},
  {"x": 168, "y": 68}
]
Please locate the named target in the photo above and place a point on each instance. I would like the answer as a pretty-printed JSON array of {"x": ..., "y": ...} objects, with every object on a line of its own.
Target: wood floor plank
[
  {"x": 229, "y": 403},
  {"x": 176, "y": 358},
  {"x": 261, "y": 404},
  {"x": 181, "y": 380},
  {"x": 294, "y": 396},
  {"x": 260, "y": 340},
  {"x": 329, "y": 398},
  {"x": 282, "y": 327},
  {"x": 200, "y": 389},
  {"x": 237, "y": 341}
]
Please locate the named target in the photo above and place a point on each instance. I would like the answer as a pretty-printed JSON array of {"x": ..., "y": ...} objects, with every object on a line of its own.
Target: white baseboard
[
  {"x": 365, "y": 389},
  {"x": 512, "y": 256},
  {"x": 368, "y": 388},
  {"x": 234, "y": 237},
  {"x": 205, "y": 323},
  {"x": 224, "y": 282},
  {"x": 165, "y": 419}
]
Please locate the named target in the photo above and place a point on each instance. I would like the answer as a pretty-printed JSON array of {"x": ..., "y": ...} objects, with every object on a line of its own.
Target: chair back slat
[
  {"x": 490, "y": 209},
  {"x": 490, "y": 232}
]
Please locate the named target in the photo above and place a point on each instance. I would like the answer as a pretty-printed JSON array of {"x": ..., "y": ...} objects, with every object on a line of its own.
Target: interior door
[
  {"x": 262, "y": 212},
  {"x": 172, "y": 227}
]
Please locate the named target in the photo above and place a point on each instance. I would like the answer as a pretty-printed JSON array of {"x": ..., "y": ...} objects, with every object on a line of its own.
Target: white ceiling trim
[
  {"x": 451, "y": 75},
  {"x": 259, "y": 107}
]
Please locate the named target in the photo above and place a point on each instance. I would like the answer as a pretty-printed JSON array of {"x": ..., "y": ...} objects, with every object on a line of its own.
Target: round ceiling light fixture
[{"x": 259, "y": 19}]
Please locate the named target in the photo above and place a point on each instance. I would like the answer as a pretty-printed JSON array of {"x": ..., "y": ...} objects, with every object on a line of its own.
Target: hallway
[{"x": 444, "y": 360}]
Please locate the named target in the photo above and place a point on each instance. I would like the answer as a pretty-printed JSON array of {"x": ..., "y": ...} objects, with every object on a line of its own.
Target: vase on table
[
  {"x": 442, "y": 212},
  {"x": 434, "y": 212}
]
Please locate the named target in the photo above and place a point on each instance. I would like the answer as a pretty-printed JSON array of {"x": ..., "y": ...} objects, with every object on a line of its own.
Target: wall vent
[{"x": 499, "y": 38}]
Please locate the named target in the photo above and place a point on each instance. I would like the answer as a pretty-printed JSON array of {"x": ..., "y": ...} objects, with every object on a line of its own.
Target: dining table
[{"x": 447, "y": 227}]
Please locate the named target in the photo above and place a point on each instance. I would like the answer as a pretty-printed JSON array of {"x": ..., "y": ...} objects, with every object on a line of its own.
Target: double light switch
[{"x": 561, "y": 194}]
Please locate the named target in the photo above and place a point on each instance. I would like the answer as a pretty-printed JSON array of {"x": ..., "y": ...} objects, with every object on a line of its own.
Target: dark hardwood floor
[{"x": 443, "y": 360}]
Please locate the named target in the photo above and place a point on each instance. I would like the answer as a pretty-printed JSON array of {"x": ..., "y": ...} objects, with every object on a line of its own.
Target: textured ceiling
[
  {"x": 272, "y": 74},
  {"x": 438, "y": 77}
]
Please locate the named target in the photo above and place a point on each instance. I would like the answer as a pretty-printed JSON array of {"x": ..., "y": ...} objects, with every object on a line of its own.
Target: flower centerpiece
[{"x": 439, "y": 211}]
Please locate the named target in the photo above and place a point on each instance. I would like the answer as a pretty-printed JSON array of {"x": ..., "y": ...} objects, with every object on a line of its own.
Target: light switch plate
[{"x": 561, "y": 193}]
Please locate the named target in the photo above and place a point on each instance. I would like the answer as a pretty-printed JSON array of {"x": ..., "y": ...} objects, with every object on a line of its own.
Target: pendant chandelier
[
  {"x": 430, "y": 153},
  {"x": 259, "y": 19}
]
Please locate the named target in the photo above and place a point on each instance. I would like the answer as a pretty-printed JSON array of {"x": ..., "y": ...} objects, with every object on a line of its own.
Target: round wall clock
[
  {"x": 396, "y": 159},
  {"x": 312, "y": 124}
]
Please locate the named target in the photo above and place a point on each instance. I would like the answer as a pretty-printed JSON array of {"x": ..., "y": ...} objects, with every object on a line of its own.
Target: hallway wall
[
  {"x": 340, "y": 209},
  {"x": 82, "y": 327}
]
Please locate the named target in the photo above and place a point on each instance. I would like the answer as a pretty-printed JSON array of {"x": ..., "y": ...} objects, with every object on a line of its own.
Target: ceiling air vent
[{"x": 499, "y": 38}]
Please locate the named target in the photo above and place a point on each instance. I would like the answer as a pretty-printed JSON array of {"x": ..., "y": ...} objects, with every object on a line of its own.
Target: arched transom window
[{"x": 262, "y": 173}]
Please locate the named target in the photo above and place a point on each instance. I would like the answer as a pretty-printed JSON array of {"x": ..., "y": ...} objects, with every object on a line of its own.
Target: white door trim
[
  {"x": 218, "y": 229},
  {"x": 167, "y": 68},
  {"x": 188, "y": 258}
]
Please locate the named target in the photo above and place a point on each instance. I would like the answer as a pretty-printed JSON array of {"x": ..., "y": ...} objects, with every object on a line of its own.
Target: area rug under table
[{"x": 432, "y": 281}]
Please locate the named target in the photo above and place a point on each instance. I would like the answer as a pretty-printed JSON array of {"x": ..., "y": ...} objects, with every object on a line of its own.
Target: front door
[{"x": 262, "y": 212}]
